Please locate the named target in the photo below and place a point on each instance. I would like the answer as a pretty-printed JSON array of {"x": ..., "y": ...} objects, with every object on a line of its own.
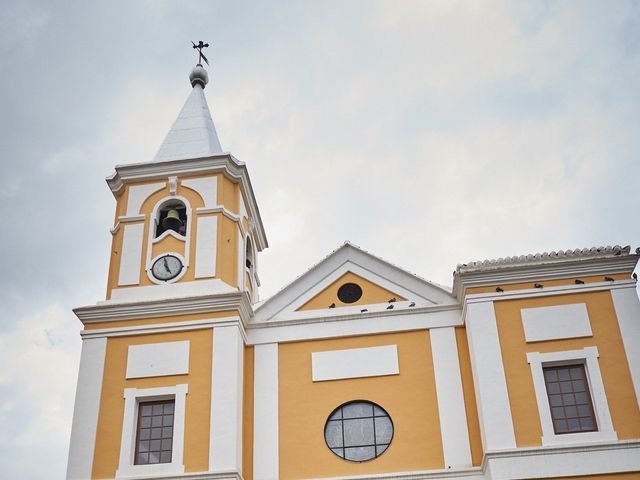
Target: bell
[{"x": 172, "y": 221}]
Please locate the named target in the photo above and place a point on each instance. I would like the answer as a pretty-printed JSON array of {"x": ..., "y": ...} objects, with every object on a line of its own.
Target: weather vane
[{"x": 199, "y": 47}]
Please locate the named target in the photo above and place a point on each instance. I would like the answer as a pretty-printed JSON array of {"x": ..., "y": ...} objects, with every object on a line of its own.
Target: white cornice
[
  {"x": 327, "y": 315},
  {"x": 575, "y": 267},
  {"x": 165, "y": 327},
  {"x": 224, "y": 163},
  {"x": 113, "y": 311},
  {"x": 545, "y": 292},
  {"x": 231, "y": 475},
  {"x": 532, "y": 462}
]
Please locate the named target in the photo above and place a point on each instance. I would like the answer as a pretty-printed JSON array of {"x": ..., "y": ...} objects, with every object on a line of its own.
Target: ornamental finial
[{"x": 199, "y": 47}]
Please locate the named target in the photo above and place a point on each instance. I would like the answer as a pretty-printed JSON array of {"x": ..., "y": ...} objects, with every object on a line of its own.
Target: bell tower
[
  {"x": 186, "y": 223},
  {"x": 160, "y": 387}
]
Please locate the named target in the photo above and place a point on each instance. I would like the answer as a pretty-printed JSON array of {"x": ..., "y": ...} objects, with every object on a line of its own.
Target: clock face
[{"x": 167, "y": 267}]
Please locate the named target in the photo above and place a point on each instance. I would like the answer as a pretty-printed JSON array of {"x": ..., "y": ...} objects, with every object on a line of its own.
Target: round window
[
  {"x": 349, "y": 293},
  {"x": 358, "y": 431}
]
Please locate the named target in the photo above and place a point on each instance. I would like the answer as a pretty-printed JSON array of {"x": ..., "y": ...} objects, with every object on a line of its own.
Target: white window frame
[
  {"x": 152, "y": 239},
  {"x": 588, "y": 356},
  {"x": 132, "y": 398}
]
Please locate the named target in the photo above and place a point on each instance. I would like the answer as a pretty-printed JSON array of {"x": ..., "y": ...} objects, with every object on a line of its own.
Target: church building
[{"x": 527, "y": 368}]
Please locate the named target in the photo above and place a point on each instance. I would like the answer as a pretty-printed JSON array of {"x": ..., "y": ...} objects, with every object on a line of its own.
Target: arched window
[
  {"x": 248, "y": 255},
  {"x": 171, "y": 216}
]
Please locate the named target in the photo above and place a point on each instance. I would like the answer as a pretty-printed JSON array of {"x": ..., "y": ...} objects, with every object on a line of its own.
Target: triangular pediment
[
  {"x": 321, "y": 291},
  {"x": 351, "y": 290}
]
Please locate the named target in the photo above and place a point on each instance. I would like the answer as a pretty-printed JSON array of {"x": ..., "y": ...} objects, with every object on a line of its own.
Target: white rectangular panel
[
  {"x": 87, "y": 406},
  {"x": 225, "y": 446},
  {"x": 206, "y": 187},
  {"x": 451, "y": 408},
  {"x": 131, "y": 255},
  {"x": 355, "y": 363},
  {"x": 494, "y": 410},
  {"x": 556, "y": 322},
  {"x": 138, "y": 194},
  {"x": 206, "y": 242},
  {"x": 158, "y": 359},
  {"x": 266, "y": 453}
]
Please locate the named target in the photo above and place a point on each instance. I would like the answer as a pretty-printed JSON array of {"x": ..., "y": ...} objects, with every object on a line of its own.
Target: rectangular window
[
  {"x": 154, "y": 433},
  {"x": 569, "y": 399}
]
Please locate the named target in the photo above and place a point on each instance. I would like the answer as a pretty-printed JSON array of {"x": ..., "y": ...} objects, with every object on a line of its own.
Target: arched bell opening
[
  {"x": 172, "y": 216},
  {"x": 248, "y": 256}
]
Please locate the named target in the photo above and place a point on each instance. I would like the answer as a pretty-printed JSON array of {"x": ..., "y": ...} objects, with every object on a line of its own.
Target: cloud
[
  {"x": 37, "y": 383},
  {"x": 429, "y": 133}
]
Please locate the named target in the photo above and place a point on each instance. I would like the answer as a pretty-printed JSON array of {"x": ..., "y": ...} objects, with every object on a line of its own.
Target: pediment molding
[{"x": 284, "y": 305}]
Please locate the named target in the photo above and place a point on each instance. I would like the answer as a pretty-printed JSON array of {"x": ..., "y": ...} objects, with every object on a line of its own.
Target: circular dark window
[
  {"x": 358, "y": 431},
  {"x": 349, "y": 293}
]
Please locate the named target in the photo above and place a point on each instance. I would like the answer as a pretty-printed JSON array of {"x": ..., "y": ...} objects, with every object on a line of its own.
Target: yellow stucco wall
[
  {"x": 247, "y": 415},
  {"x": 473, "y": 424},
  {"x": 198, "y": 402},
  {"x": 371, "y": 293},
  {"x": 613, "y": 363},
  {"x": 409, "y": 398}
]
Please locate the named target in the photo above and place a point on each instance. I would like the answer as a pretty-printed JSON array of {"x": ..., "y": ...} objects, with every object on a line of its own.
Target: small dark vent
[{"x": 349, "y": 293}]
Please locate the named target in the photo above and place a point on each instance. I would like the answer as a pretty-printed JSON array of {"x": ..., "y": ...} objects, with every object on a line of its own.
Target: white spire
[{"x": 193, "y": 134}]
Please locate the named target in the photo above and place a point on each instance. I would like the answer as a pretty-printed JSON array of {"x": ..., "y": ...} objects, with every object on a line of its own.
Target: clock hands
[{"x": 167, "y": 267}]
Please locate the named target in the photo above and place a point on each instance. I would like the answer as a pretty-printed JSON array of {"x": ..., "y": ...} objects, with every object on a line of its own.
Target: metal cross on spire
[{"x": 199, "y": 47}]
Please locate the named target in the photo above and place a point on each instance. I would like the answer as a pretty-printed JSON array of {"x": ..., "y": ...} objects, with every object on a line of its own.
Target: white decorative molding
[
  {"x": 138, "y": 194},
  {"x": 556, "y": 322},
  {"x": 225, "y": 445},
  {"x": 348, "y": 257},
  {"x": 266, "y": 459},
  {"x": 474, "y": 473},
  {"x": 131, "y": 255},
  {"x": 563, "y": 461},
  {"x": 572, "y": 267},
  {"x": 494, "y": 410},
  {"x": 243, "y": 210},
  {"x": 206, "y": 187},
  {"x": 290, "y": 311},
  {"x": 110, "y": 310},
  {"x": 132, "y": 398},
  {"x": 224, "y": 163},
  {"x": 589, "y": 357},
  {"x": 627, "y": 306},
  {"x": 172, "y": 281},
  {"x": 171, "y": 290},
  {"x": 86, "y": 409},
  {"x": 546, "y": 291},
  {"x": 164, "y": 328},
  {"x": 158, "y": 359},
  {"x": 206, "y": 246},
  {"x": 240, "y": 263},
  {"x": 152, "y": 240},
  {"x": 367, "y": 323},
  {"x": 173, "y": 185},
  {"x": 450, "y": 396},
  {"x": 354, "y": 363}
]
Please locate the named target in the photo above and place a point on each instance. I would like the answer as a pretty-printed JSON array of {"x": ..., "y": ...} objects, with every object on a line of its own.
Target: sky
[{"x": 428, "y": 133}]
